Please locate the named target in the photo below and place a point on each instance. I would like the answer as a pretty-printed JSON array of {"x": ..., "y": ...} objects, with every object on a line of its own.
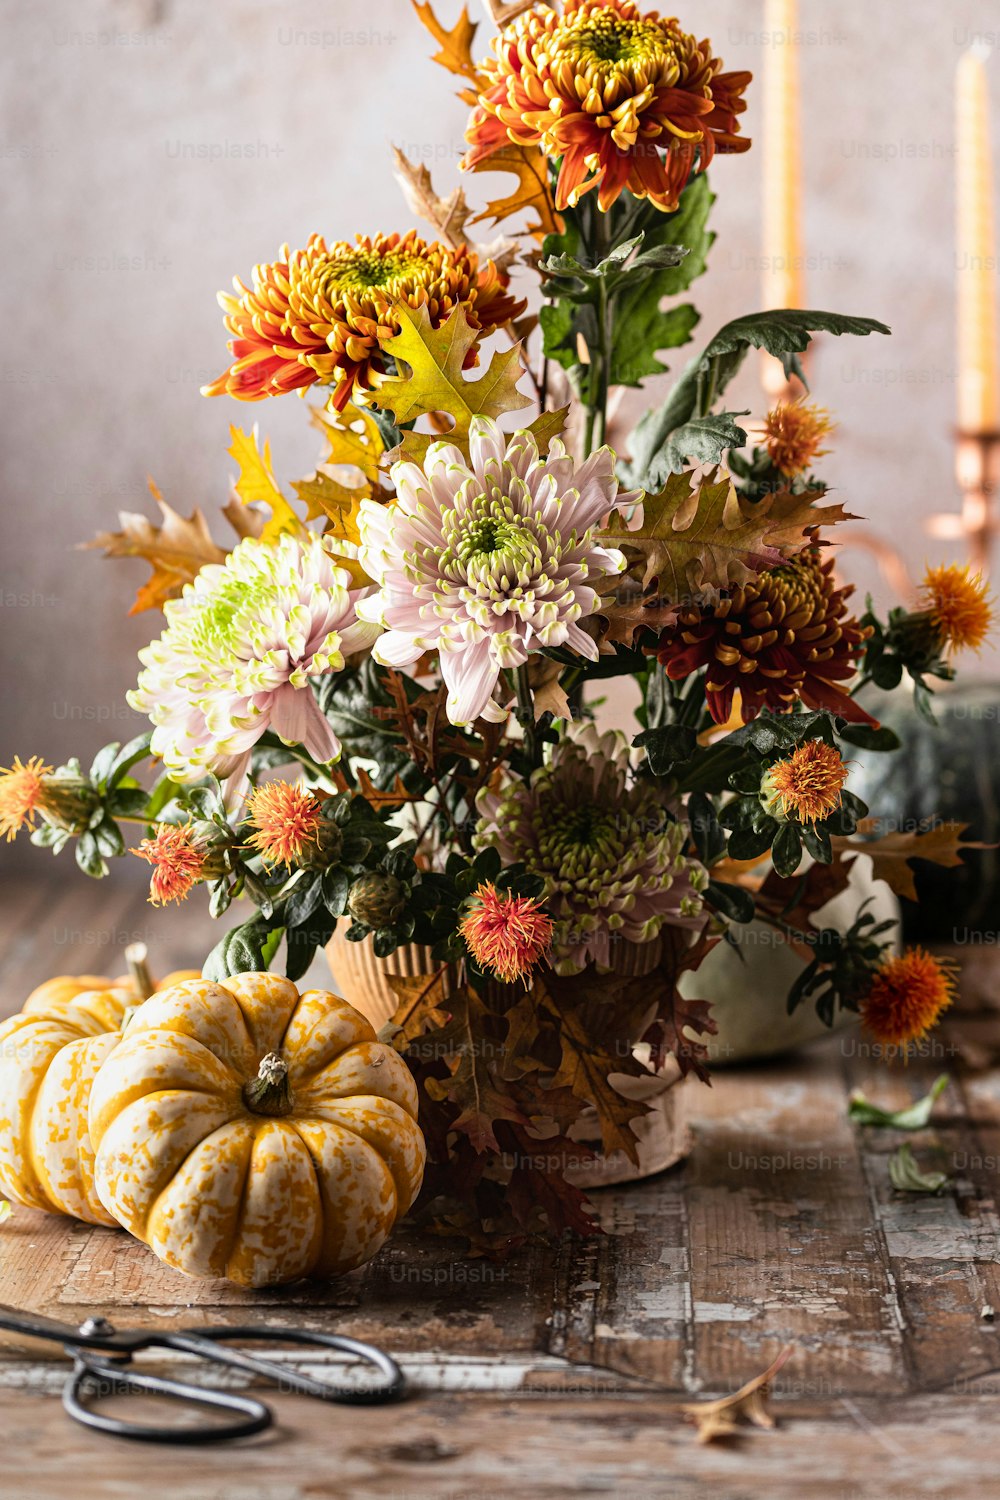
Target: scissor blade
[{"x": 33, "y": 1324}]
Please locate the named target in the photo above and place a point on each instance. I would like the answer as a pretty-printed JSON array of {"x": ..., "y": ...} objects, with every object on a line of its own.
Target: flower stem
[{"x": 526, "y": 714}]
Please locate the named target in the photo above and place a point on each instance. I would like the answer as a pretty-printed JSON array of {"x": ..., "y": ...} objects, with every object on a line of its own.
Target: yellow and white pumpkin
[
  {"x": 49, "y": 1056},
  {"x": 251, "y": 1132}
]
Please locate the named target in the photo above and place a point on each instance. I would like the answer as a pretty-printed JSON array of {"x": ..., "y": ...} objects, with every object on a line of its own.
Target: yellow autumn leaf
[
  {"x": 324, "y": 495},
  {"x": 352, "y": 438},
  {"x": 722, "y": 1418},
  {"x": 706, "y": 535},
  {"x": 455, "y": 45},
  {"x": 176, "y": 551},
  {"x": 256, "y": 484},
  {"x": 431, "y": 379},
  {"x": 532, "y": 194}
]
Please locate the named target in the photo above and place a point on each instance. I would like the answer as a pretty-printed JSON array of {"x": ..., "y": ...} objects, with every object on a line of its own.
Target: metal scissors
[{"x": 102, "y": 1356}]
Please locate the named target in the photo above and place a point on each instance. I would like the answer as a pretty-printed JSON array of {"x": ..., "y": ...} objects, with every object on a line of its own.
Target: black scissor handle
[
  {"x": 114, "y": 1379},
  {"x": 287, "y": 1377}
]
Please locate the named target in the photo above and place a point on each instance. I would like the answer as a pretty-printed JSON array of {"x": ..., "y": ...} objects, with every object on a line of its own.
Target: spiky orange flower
[
  {"x": 783, "y": 638},
  {"x": 285, "y": 818},
  {"x": 622, "y": 99},
  {"x": 806, "y": 785},
  {"x": 907, "y": 996},
  {"x": 22, "y": 789},
  {"x": 507, "y": 935},
  {"x": 959, "y": 605},
  {"x": 793, "y": 433},
  {"x": 178, "y": 862},
  {"x": 318, "y": 314}
]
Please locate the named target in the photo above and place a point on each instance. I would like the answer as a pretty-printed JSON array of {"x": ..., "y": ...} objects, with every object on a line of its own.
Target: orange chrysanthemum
[
  {"x": 622, "y": 99},
  {"x": 178, "y": 862},
  {"x": 784, "y": 638},
  {"x": 959, "y": 606},
  {"x": 806, "y": 786},
  {"x": 22, "y": 790},
  {"x": 319, "y": 314},
  {"x": 793, "y": 434},
  {"x": 507, "y": 935},
  {"x": 907, "y": 997},
  {"x": 285, "y": 819}
]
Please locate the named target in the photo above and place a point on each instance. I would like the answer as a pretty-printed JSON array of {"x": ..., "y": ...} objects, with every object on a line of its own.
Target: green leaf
[
  {"x": 89, "y": 858},
  {"x": 906, "y": 1176},
  {"x": 709, "y": 839},
  {"x": 784, "y": 332},
  {"x": 914, "y": 1117},
  {"x": 731, "y": 900},
  {"x": 637, "y": 336},
  {"x": 667, "y": 747},
  {"x": 703, "y": 440},
  {"x": 5, "y": 1210},
  {"x": 137, "y": 749},
  {"x": 786, "y": 851},
  {"x": 868, "y": 738}
]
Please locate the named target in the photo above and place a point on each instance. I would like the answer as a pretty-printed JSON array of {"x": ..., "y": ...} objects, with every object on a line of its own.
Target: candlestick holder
[{"x": 977, "y": 469}]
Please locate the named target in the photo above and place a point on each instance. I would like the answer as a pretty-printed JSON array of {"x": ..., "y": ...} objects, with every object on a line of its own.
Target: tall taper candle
[
  {"x": 978, "y": 350},
  {"x": 782, "y": 279}
]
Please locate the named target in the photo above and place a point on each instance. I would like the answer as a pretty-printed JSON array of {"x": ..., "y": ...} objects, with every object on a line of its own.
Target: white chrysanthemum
[
  {"x": 603, "y": 843},
  {"x": 235, "y": 659},
  {"x": 487, "y": 559}
]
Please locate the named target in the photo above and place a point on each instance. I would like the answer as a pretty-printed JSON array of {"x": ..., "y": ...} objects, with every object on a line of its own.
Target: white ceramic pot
[{"x": 747, "y": 985}]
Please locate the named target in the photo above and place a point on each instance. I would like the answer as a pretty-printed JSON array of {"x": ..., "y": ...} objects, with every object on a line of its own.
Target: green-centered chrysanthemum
[
  {"x": 604, "y": 845},
  {"x": 320, "y": 314},
  {"x": 235, "y": 660}
]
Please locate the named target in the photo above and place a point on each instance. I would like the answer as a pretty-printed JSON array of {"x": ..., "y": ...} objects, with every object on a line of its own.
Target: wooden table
[{"x": 561, "y": 1373}]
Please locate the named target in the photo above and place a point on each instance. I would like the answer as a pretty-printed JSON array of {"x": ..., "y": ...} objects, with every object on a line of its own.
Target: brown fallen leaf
[
  {"x": 448, "y": 215},
  {"x": 892, "y": 853},
  {"x": 723, "y": 1418},
  {"x": 176, "y": 551}
]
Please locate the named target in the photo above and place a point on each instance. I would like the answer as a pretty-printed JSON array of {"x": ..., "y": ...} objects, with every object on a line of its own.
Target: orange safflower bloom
[
  {"x": 959, "y": 605},
  {"x": 507, "y": 935},
  {"x": 806, "y": 785},
  {"x": 285, "y": 819},
  {"x": 178, "y": 862},
  {"x": 22, "y": 789},
  {"x": 623, "y": 100},
  {"x": 908, "y": 995},
  {"x": 793, "y": 433},
  {"x": 318, "y": 315}
]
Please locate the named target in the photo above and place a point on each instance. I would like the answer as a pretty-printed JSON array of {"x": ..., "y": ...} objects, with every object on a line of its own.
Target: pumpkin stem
[
  {"x": 269, "y": 1093},
  {"x": 138, "y": 967}
]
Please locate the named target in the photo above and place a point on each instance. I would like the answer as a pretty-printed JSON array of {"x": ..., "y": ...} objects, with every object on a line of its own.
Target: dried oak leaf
[
  {"x": 176, "y": 551},
  {"x": 723, "y": 1418},
  {"x": 587, "y": 1062},
  {"x": 430, "y": 378},
  {"x": 700, "y": 534},
  {"x": 531, "y": 195},
  {"x": 538, "y": 1187},
  {"x": 891, "y": 854},
  {"x": 455, "y": 45},
  {"x": 448, "y": 215},
  {"x": 421, "y": 1001},
  {"x": 680, "y": 1021},
  {"x": 468, "y": 1048}
]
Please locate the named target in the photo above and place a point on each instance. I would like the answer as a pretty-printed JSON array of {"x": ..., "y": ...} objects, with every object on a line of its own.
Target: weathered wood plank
[
  {"x": 452, "y": 1447},
  {"x": 781, "y": 1240}
]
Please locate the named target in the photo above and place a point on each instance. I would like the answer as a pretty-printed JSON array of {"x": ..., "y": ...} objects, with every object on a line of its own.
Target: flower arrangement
[{"x": 375, "y": 715}]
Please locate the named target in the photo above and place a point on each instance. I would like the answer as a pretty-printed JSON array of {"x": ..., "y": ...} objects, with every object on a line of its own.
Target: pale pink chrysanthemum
[
  {"x": 487, "y": 559},
  {"x": 507, "y": 935},
  {"x": 235, "y": 660}
]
